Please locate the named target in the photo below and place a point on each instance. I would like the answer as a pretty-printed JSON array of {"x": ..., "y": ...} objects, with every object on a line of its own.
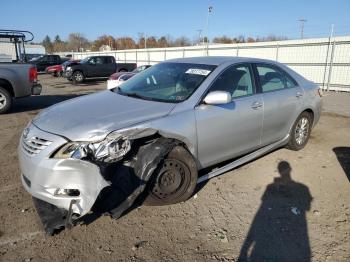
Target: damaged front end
[{"x": 84, "y": 177}]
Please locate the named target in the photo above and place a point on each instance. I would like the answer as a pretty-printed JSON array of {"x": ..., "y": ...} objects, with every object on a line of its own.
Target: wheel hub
[
  {"x": 78, "y": 77},
  {"x": 170, "y": 178}
]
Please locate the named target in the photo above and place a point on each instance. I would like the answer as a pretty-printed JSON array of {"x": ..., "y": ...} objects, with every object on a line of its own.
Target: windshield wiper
[{"x": 136, "y": 95}]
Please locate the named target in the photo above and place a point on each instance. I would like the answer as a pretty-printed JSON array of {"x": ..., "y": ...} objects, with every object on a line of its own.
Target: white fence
[{"x": 326, "y": 61}]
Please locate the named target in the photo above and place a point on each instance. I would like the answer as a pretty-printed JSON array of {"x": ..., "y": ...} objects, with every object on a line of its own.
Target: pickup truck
[
  {"x": 44, "y": 61},
  {"x": 96, "y": 67},
  {"x": 17, "y": 80}
]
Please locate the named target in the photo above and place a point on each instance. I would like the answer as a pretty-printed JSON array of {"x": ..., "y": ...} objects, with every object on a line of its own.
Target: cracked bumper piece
[
  {"x": 58, "y": 181},
  {"x": 52, "y": 217}
]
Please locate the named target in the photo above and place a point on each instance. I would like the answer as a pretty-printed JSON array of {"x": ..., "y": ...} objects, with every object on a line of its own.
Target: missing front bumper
[{"x": 53, "y": 218}]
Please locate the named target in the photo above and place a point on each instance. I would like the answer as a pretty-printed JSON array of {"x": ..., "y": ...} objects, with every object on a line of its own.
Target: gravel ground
[{"x": 293, "y": 205}]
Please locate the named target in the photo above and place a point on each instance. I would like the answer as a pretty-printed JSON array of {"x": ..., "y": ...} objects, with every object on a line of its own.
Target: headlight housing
[
  {"x": 77, "y": 150},
  {"x": 68, "y": 68},
  {"x": 111, "y": 149}
]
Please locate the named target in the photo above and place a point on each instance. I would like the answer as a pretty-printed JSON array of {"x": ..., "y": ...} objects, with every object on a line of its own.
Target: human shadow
[
  {"x": 343, "y": 156},
  {"x": 279, "y": 229}
]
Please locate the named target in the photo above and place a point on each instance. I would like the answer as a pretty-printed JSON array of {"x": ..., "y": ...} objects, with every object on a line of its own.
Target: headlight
[
  {"x": 111, "y": 149},
  {"x": 68, "y": 68},
  {"x": 76, "y": 150}
]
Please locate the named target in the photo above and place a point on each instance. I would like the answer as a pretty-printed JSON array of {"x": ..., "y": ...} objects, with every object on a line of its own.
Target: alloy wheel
[
  {"x": 302, "y": 130},
  {"x": 2, "y": 101}
]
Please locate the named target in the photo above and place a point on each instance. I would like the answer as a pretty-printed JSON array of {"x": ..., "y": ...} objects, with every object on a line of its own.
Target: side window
[
  {"x": 109, "y": 60},
  {"x": 272, "y": 78},
  {"x": 99, "y": 60},
  {"x": 45, "y": 59},
  {"x": 236, "y": 80}
]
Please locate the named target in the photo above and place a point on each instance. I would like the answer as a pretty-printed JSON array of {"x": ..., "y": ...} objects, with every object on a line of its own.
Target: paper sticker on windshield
[{"x": 196, "y": 71}]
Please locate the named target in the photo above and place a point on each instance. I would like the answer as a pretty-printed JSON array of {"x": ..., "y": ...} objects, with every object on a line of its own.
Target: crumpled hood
[{"x": 87, "y": 117}]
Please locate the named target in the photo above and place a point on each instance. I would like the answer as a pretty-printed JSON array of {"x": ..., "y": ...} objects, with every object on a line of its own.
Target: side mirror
[{"x": 218, "y": 98}]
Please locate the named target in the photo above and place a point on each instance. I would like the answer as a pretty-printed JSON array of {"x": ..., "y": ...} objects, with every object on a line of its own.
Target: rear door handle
[
  {"x": 298, "y": 94},
  {"x": 256, "y": 105}
]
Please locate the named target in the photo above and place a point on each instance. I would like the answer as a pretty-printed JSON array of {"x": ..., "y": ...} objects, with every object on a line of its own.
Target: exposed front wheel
[
  {"x": 5, "y": 100},
  {"x": 300, "y": 132},
  {"x": 174, "y": 180}
]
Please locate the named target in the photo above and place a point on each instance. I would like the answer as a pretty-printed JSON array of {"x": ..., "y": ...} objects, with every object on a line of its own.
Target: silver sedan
[{"x": 159, "y": 128}]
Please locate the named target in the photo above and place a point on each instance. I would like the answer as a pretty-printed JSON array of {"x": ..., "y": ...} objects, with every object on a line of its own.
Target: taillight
[{"x": 33, "y": 75}]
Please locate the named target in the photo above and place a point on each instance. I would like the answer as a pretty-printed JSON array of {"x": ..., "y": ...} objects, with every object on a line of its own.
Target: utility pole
[
  {"x": 144, "y": 36},
  {"x": 210, "y": 8},
  {"x": 199, "y": 35},
  {"x": 302, "y": 23}
]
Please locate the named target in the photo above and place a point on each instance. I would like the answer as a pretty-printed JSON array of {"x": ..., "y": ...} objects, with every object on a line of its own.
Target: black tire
[
  {"x": 174, "y": 180},
  {"x": 300, "y": 136},
  {"x": 78, "y": 77},
  {"x": 56, "y": 74},
  {"x": 5, "y": 100}
]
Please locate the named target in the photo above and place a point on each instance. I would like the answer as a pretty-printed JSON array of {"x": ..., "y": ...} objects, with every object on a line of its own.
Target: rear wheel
[
  {"x": 174, "y": 180},
  {"x": 78, "y": 77},
  {"x": 300, "y": 132},
  {"x": 5, "y": 100}
]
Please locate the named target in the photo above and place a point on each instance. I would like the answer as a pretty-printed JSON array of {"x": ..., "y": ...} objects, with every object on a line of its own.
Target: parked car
[
  {"x": 96, "y": 67},
  {"x": 44, "y": 61},
  {"x": 117, "y": 78},
  {"x": 57, "y": 70},
  {"x": 17, "y": 79},
  {"x": 158, "y": 129}
]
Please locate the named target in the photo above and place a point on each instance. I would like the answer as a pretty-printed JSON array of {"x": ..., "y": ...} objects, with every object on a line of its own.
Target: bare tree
[{"x": 77, "y": 42}]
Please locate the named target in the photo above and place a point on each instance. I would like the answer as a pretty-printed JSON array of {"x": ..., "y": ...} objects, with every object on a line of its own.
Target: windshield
[
  {"x": 166, "y": 82},
  {"x": 85, "y": 60},
  {"x": 66, "y": 63}
]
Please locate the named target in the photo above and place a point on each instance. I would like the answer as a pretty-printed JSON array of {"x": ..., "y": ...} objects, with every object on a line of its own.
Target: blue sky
[{"x": 176, "y": 17}]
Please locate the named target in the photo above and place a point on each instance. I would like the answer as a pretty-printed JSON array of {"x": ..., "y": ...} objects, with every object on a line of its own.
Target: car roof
[{"x": 218, "y": 60}]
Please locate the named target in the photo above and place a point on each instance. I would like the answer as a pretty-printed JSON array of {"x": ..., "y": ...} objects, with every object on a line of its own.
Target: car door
[
  {"x": 282, "y": 97},
  {"x": 230, "y": 130},
  {"x": 91, "y": 69},
  {"x": 109, "y": 67},
  {"x": 100, "y": 66}
]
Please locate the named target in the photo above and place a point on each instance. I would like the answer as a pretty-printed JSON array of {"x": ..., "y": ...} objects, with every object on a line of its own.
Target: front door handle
[
  {"x": 299, "y": 94},
  {"x": 256, "y": 105}
]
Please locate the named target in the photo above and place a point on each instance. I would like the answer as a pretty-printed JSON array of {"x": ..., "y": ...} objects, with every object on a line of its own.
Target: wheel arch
[
  {"x": 7, "y": 86},
  {"x": 79, "y": 70},
  {"x": 311, "y": 112}
]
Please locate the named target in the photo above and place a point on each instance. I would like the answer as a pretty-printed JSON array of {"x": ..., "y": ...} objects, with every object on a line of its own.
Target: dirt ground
[{"x": 285, "y": 204}]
